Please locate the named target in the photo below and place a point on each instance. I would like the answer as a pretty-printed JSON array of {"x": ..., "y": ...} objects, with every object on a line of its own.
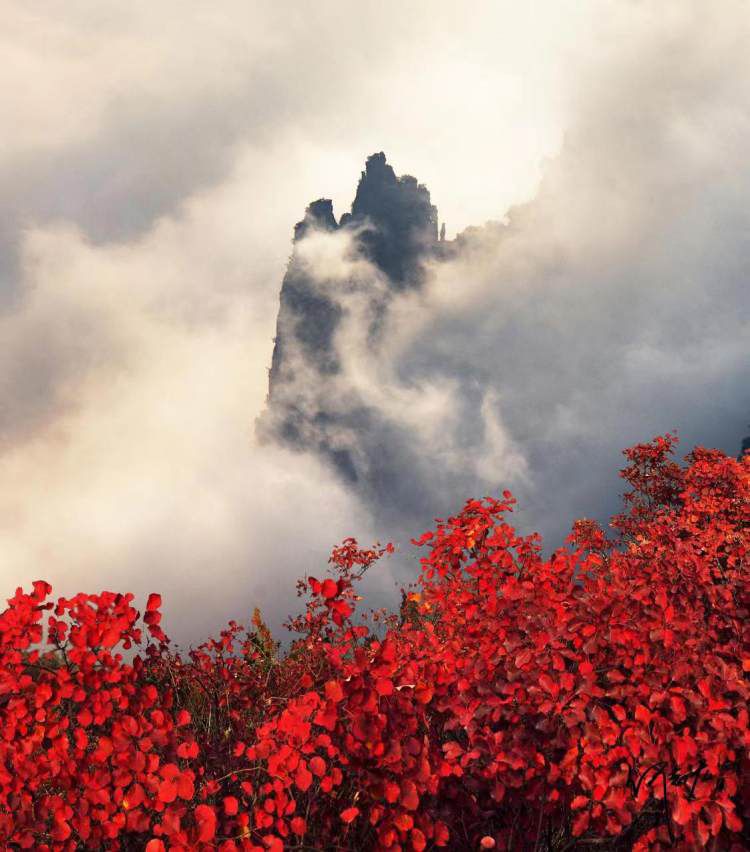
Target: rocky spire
[
  {"x": 393, "y": 225},
  {"x": 318, "y": 216},
  {"x": 404, "y": 222}
]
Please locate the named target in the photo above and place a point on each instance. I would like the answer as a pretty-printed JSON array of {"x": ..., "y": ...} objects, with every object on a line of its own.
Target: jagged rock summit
[
  {"x": 397, "y": 220},
  {"x": 405, "y": 221},
  {"x": 394, "y": 226}
]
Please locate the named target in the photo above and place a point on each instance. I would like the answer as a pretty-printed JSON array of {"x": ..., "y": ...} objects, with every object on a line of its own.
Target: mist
[{"x": 158, "y": 160}]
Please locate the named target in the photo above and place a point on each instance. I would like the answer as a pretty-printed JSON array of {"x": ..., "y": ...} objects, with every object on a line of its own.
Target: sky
[{"x": 157, "y": 160}]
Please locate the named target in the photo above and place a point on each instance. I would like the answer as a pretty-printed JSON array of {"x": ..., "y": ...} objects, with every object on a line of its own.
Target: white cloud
[
  {"x": 158, "y": 157},
  {"x": 144, "y": 475}
]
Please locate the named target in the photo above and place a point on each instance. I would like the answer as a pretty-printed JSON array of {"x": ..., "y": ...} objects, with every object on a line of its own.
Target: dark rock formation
[
  {"x": 305, "y": 315},
  {"x": 403, "y": 222},
  {"x": 393, "y": 225}
]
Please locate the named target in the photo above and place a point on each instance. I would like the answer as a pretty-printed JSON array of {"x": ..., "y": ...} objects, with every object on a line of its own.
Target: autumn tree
[{"x": 595, "y": 699}]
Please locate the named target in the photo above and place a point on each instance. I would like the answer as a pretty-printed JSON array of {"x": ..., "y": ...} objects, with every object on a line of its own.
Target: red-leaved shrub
[{"x": 595, "y": 699}]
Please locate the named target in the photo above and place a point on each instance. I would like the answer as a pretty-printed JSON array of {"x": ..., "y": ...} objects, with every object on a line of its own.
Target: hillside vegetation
[{"x": 596, "y": 699}]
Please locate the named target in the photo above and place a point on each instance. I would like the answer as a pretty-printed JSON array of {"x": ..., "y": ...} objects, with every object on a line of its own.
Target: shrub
[{"x": 594, "y": 699}]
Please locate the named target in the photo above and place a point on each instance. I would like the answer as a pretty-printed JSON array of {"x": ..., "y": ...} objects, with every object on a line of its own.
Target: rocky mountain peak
[
  {"x": 393, "y": 225},
  {"x": 318, "y": 216}
]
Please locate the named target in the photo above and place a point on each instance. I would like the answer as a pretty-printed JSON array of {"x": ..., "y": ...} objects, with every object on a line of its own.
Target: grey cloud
[
  {"x": 614, "y": 306},
  {"x": 610, "y": 308},
  {"x": 149, "y": 185}
]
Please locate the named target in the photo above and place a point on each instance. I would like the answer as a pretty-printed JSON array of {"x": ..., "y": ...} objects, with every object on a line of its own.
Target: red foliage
[{"x": 515, "y": 702}]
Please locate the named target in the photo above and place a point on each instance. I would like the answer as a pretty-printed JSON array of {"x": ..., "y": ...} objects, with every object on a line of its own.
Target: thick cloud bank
[
  {"x": 615, "y": 305},
  {"x": 610, "y": 308},
  {"x": 158, "y": 157},
  {"x": 143, "y": 473}
]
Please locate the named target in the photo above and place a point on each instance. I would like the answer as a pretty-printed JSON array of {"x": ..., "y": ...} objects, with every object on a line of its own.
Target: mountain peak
[
  {"x": 403, "y": 219},
  {"x": 318, "y": 216},
  {"x": 377, "y": 168},
  {"x": 393, "y": 225}
]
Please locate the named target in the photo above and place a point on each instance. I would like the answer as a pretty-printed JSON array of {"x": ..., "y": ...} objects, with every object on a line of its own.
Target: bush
[{"x": 595, "y": 699}]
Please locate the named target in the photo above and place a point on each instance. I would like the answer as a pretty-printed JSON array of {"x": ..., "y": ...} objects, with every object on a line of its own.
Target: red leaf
[
  {"x": 580, "y": 824},
  {"x": 523, "y": 657},
  {"x": 206, "y": 820},
  {"x": 682, "y": 812},
  {"x": 111, "y": 637},
  {"x": 442, "y": 835},
  {"x": 349, "y": 815},
  {"x": 334, "y": 692},
  {"x": 404, "y": 822},
  {"x": 185, "y": 787},
  {"x": 61, "y": 830},
  {"x": 423, "y": 693},
  {"x": 679, "y": 712},
  {"x": 329, "y": 588},
  {"x": 642, "y": 714},
  {"x": 317, "y": 766},
  {"x": 303, "y": 778},
  {"x": 384, "y": 686},
  {"x": 418, "y": 840},
  {"x": 546, "y": 682},
  {"x": 187, "y": 750},
  {"x": 85, "y": 718},
  {"x": 409, "y": 796},
  {"x": 391, "y": 792},
  {"x": 167, "y": 791}
]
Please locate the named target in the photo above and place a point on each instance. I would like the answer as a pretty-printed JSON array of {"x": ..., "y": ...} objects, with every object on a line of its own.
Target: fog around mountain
[
  {"x": 150, "y": 187},
  {"x": 515, "y": 355}
]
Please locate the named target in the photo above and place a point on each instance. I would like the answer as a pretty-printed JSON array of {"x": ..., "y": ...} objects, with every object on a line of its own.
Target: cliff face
[
  {"x": 404, "y": 221},
  {"x": 393, "y": 227}
]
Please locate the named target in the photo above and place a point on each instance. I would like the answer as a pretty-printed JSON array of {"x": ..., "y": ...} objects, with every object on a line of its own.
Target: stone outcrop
[{"x": 392, "y": 225}]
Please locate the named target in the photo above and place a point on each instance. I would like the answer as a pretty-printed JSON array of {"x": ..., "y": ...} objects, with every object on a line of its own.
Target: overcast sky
[{"x": 154, "y": 161}]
